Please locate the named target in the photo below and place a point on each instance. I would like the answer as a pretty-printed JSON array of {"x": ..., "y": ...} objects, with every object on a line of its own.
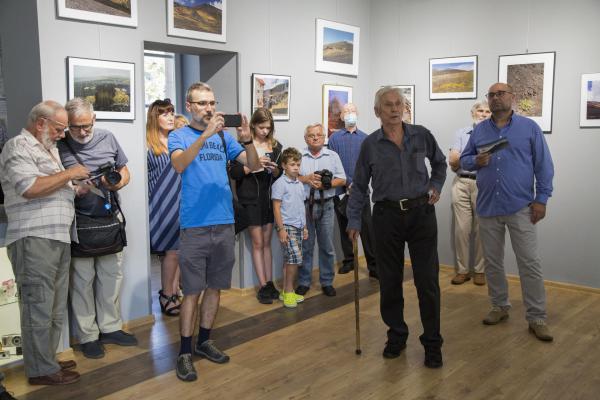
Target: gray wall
[{"x": 408, "y": 33}]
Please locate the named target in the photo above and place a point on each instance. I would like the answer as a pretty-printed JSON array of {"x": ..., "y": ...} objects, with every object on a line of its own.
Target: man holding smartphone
[{"x": 199, "y": 152}]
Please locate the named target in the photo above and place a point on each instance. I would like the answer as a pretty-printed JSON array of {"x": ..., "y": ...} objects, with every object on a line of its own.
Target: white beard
[
  {"x": 48, "y": 143},
  {"x": 83, "y": 140}
]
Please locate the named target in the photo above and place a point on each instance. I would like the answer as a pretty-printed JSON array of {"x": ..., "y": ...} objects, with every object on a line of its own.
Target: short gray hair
[
  {"x": 78, "y": 106},
  {"x": 481, "y": 103},
  {"x": 201, "y": 86},
  {"x": 385, "y": 90},
  {"x": 45, "y": 109},
  {"x": 315, "y": 125}
]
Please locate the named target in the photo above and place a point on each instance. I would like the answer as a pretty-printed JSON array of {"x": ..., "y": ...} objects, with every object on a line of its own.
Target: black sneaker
[
  {"x": 92, "y": 349},
  {"x": 393, "y": 350},
  {"x": 119, "y": 337},
  {"x": 209, "y": 351},
  {"x": 329, "y": 291},
  {"x": 433, "y": 357},
  {"x": 301, "y": 290},
  {"x": 273, "y": 289},
  {"x": 185, "y": 368},
  {"x": 264, "y": 295},
  {"x": 345, "y": 268}
]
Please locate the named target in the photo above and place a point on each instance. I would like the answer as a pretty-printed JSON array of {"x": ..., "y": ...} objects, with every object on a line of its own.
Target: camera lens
[{"x": 113, "y": 177}]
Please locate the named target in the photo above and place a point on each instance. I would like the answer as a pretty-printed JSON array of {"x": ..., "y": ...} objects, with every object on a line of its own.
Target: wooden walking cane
[{"x": 356, "y": 296}]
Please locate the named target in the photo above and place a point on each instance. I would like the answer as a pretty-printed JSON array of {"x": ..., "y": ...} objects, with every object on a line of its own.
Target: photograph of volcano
[
  {"x": 590, "y": 100},
  {"x": 116, "y": 12},
  {"x": 197, "y": 19},
  {"x": 453, "y": 78},
  {"x": 336, "y": 48}
]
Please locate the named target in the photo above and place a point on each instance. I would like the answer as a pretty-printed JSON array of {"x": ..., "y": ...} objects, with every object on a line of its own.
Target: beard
[
  {"x": 47, "y": 142},
  {"x": 85, "y": 139}
]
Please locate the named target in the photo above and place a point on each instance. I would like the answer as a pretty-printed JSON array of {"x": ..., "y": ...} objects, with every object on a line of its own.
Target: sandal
[{"x": 165, "y": 301}]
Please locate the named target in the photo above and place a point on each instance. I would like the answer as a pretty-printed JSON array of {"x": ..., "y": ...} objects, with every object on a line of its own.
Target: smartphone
[{"x": 232, "y": 120}]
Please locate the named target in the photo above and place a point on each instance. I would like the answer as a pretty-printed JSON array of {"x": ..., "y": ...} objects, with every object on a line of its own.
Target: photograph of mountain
[
  {"x": 121, "y": 8},
  {"x": 116, "y": 12},
  {"x": 453, "y": 78},
  {"x": 590, "y": 101},
  {"x": 197, "y": 19},
  {"x": 337, "y": 46}
]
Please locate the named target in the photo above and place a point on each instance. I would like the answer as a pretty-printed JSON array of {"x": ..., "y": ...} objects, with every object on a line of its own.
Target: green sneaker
[
  {"x": 299, "y": 299},
  {"x": 289, "y": 300}
]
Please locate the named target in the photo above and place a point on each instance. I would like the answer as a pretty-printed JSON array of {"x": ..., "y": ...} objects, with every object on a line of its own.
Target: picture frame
[
  {"x": 115, "y": 12},
  {"x": 334, "y": 98},
  {"x": 531, "y": 76},
  {"x": 337, "y": 47},
  {"x": 273, "y": 93},
  {"x": 408, "y": 91},
  {"x": 197, "y": 19},
  {"x": 453, "y": 78},
  {"x": 590, "y": 101},
  {"x": 108, "y": 85}
]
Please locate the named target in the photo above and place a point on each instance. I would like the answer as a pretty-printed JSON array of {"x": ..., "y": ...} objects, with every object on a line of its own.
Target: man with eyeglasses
[
  {"x": 40, "y": 210},
  {"x": 514, "y": 185},
  {"x": 199, "y": 152},
  {"x": 393, "y": 160},
  {"x": 95, "y": 281}
]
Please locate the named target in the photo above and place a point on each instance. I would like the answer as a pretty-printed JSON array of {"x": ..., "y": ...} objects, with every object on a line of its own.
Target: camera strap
[{"x": 311, "y": 203}]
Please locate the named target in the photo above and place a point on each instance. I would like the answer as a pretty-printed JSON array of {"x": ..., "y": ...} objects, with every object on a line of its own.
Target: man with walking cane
[{"x": 404, "y": 195}]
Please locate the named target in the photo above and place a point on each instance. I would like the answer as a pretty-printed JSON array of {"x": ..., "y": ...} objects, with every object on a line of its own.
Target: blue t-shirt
[
  {"x": 206, "y": 197},
  {"x": 291, "y": 193}
]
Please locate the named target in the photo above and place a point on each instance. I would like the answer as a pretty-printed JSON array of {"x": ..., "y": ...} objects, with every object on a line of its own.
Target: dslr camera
[
  {"x": 326, "y": 178},
  {"x": 108, "y": 171}
]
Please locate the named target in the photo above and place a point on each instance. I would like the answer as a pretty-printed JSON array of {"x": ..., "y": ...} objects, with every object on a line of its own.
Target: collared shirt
[
  {"x": 347, "y": 145},
  {"x": 396, "y": 174},
  {"x": 23, "y": 160},
  {"x": 462, "y": 137},
  {"x": 326, "y": 159},
  {"x": 506, "y": 184},
  {"x": 291, "y": 193}
]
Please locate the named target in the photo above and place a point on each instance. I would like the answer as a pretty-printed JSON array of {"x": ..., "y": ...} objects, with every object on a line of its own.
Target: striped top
[
  {"x": 347, "y": 145},
  {"x": 164, "y": 190},
  {"x": 23, "y": 160}
]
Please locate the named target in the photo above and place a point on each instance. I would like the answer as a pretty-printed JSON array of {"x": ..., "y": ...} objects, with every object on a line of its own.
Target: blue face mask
[{"x": 350, "y": 119}]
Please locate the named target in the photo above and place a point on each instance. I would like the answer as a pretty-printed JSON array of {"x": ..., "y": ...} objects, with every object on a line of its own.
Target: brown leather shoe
[
  {"x": 479, "y": 279},
  {"x": 59, "y": 378},
  {"x": 540, "y": 330},
  {"x": 459, "y": 279},
  {"x": 68, "y": 364}
]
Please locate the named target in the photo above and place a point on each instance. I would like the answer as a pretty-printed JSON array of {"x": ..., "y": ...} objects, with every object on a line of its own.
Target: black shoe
[
  {"x": 92, "y": 349},
  {"x": 392, "y": 349},
  {"x": 433, "y": 357},
  {"x": 119, "y": 337},
  {"x": 373, "y": 274},
  {"x": 264, "y": 295},
  {"x": 6, "y": 396},
  {"x": 185, "y": 368},
  {"x": 329, "y": 291},
  {"x": 273, "y": 289},
  {"x": 345, "y": 268},
  {"x": 209, "y": 351},
  {"x": 301, "y": 290}
]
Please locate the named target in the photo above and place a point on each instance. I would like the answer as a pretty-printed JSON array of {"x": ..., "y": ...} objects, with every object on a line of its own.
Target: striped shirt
[{"x": 22, "y": 161}]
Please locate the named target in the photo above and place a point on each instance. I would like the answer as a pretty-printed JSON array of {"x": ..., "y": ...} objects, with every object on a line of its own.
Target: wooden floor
[{"x": 308, "y": 353}]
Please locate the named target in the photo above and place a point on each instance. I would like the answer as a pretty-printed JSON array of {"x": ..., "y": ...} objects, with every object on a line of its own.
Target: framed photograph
[
  {"x": 197, "y": 19},
  {"x": 272, "y": 92},
  {"x": 337, "y": 48},
  {"x": 108, "y": 85},
  {"x": 453, "y": 78},
  {"x": 334, "y": 98},
  {"x": 408, "y": 91},
  {"x": 532, "y": 79},
  {"x": 590, "y": 101},
  {"x": 115, "y": 12}
]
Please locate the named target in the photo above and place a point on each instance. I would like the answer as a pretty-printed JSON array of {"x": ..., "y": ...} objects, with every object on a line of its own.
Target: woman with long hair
[
  {"x": 164, "y": 187},
  {"x": 255, "y": 208}
]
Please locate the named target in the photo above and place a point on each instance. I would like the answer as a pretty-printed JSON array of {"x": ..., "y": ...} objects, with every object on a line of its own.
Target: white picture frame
[
  {"x": 198, "y": 28},
  {"x": 590, "y": 101},
  {"x": 453, "y": 78},
  {"x": 277, "y": 101},
  {"x": 116, "y": 15},
  {"x": 337, "y": 47},
  {"x": 334, "y": 98}
]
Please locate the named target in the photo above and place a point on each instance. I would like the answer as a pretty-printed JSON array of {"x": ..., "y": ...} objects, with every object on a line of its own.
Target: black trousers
[
  {"x": 416, "y": 227},
  {"x": 366, "y": 236}
]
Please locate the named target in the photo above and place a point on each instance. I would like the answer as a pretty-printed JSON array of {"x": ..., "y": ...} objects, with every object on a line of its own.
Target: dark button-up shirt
[
  {"x": 506, "y": 184},
  {"x": 396, "y": 174},
  {"x": 347, "y": 145}
]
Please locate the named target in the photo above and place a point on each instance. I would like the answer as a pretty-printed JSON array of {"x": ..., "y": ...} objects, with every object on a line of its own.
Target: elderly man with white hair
[{"x": 40, "y": 210}]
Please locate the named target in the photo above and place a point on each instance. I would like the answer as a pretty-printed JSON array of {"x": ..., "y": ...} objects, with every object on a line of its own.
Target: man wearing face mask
[
  {"x": 95, "y": 281},
  {"x": 346, "y": 143}
]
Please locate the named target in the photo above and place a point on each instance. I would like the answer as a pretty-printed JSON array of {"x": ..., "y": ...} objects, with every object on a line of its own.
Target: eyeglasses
[
  {"x": 314, "y": 137},
  {"x": 204, "y": 103},
  {"x": 78, "y": 128},
  {"x": 498, "y": 94},
  {"x": 59, "y": 129}
]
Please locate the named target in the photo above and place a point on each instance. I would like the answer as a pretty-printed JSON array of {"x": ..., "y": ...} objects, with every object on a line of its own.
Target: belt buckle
[{"x": 401, "y": 202}]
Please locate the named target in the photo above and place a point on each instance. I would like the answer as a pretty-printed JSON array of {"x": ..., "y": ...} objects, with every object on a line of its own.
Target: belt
[
  {"x": 405, "y": 204},
  {"x": 319, "y": 199},
  {"x": 468, "y": 176}
]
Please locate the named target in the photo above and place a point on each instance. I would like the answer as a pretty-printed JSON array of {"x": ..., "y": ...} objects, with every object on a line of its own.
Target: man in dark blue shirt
[
  {"x": 346, "y": 143},
  {"x": 514, "y": 185},
  {"x": 404, "y": 195}
]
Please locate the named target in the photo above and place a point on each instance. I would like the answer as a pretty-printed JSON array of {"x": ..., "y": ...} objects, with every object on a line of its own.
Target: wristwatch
[
  {"x": 278, "y": 228},
  {"x": 246, "y": 143}
]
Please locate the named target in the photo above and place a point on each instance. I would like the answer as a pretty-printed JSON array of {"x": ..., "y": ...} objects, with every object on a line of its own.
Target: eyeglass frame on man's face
[
  {"x": 204, "y": 103},
  {"x": 499, "y": 94},
  {"x": 55, "y": 122},
  {"x": 315, "y": 137},
  {"x": 78, "y": 128}
]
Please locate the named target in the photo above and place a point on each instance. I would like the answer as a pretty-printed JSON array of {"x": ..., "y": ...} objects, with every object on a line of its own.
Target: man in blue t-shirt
[{"x": 199, "y": 152}]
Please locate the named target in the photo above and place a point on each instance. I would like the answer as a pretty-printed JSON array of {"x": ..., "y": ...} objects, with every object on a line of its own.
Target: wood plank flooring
[{"x": 308, "y": 353}]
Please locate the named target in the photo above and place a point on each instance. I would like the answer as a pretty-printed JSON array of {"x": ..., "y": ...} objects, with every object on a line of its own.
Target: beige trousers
[
  {"x": 466, "y": 222},
  {"x": 94, "y": 289}
]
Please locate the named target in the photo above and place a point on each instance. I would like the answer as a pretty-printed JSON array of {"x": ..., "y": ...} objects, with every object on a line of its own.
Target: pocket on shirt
[{"x": 418, "y": 160}]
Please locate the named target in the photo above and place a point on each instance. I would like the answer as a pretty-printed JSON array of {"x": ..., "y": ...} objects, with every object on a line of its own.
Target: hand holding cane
[{"x": 356, "y": 295}]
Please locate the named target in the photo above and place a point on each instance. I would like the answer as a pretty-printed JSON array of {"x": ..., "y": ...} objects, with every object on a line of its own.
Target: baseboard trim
[{"x": 136, "y": 323}]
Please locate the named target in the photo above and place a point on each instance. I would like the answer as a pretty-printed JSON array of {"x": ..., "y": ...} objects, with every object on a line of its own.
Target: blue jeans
[{"x": 323, "y": 230}]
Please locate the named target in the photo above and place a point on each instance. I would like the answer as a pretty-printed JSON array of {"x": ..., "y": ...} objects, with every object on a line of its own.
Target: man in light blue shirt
[
  {"x": 319, "y": 191},
  {"x": 514, "y": 185}
]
